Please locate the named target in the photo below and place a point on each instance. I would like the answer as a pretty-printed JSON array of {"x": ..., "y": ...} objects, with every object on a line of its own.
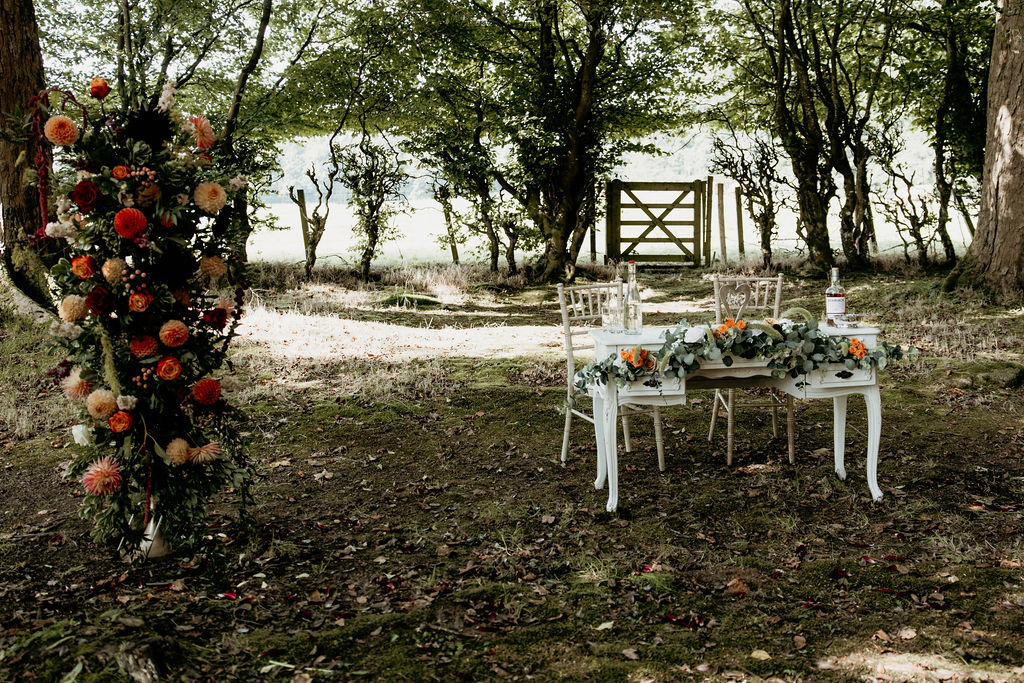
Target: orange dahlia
[
  {"x": 61, "y": 131},
  {"x": 173, "y": 333},
  {"x": 129, "y": 223},
  {"x": 143, "y": 347},
  {"x": 73, "y": 308},
  {"x": 212, "y": 267},
  {"x": 206, "y": 391},
  {"x": 203, "y": 132},
  {"x": 210, "y": 197},
  {"x": 101, "y": 404},
  {"x": 74, "y": 386},
  {"x": 102, "y": 478}
]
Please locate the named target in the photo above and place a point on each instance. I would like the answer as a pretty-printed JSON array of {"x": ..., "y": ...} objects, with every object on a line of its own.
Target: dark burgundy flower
[
  {"x": 85, "y": 195},
  {"x": 100, "y": 301},
  {"x": 217, "y": 317}
]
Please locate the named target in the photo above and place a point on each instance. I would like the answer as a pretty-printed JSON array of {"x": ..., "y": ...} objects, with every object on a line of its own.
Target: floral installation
[
  {"x": 791, "y": 349},
  {"x": 149, "y": 293}
]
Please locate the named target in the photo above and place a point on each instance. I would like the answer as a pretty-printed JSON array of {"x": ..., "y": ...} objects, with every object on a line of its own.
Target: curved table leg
[
  {"x": 839, "y": 433},
  {"x": 873, "y": 402},
  {"x": 600, "y": 400}
]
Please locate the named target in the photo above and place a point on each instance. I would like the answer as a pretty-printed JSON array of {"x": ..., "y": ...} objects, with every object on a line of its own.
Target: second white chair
[{"x": 734, "y": 296}]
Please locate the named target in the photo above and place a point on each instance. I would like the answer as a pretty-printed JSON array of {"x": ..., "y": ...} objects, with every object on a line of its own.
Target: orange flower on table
[
  {"x": 206, "y": 391},
  {"x": 129, "y": 223},
  {"x": 120, "y": 172},
  {"x": 99, "y": 88},
  {"x": 857, "y": 348},
  {"x": 83, "y": 266},
  {"x": 173, "y": 333},
  {"x": 121, "y": 421},
  {"x": 721, "y": 330},
  {"x": 143, "y": 347},
  {"x": 638, "y": 358},
  {"x": 741, "y": 324},
  {"x": 168, "y": 368},
  {"x": 61, "y": 131},
  {"x": 139, "y": 301}
]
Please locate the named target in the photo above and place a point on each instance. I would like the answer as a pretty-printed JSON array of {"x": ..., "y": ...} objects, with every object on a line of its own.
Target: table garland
[
  {"x": 791, "y": 349},
  {"x": 149, "y": 294}
]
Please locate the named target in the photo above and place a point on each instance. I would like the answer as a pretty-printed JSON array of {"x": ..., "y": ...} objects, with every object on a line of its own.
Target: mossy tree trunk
[
  {"x": 21, "y": 77},
  {"x": 996, "y": 257}
]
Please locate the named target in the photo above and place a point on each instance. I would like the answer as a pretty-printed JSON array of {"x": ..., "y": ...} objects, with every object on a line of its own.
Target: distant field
[{"x": 420, "y": 228}]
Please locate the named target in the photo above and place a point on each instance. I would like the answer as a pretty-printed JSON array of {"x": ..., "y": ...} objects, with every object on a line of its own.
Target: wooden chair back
[{"x": 739, "y": 294}]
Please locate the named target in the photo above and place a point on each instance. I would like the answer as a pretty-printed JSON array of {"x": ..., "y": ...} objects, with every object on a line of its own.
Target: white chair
[
  {"x": 581, "y": 307},
  {"x": 734, "y": 296}
]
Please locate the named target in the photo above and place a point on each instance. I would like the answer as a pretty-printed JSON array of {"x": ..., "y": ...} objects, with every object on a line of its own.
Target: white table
[{"x": 836, "y": 383}]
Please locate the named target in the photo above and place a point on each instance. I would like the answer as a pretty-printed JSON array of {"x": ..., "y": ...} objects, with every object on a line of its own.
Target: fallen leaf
[
  {"x": 907, "y": 633},
  {"x": 799, "y": 642},
  {"x": 760, "y": 654},
  {"x": 631, "y": 654},
  {"x": 881, "y": 635},
  {"x": 443, "y": 550},
  {"x": 547, "y": 519},
  {"x": 737, "y": 587},
  {"x": 605, "y": 626}
]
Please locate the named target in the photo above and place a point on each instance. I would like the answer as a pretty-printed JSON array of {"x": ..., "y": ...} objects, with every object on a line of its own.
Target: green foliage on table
[{"x": 790, "y": 350}]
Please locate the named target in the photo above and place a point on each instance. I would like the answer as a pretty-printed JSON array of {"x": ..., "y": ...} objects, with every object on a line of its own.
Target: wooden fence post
[
  {"x": 739, "y": 221},
  {"x": 721, "y": 222},
  {"x": 613, "y": 199},
  {"x": 709, "y": 192}
]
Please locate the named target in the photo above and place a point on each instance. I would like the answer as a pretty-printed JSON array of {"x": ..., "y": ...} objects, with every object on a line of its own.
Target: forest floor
[{"x": 412, "y": 521}]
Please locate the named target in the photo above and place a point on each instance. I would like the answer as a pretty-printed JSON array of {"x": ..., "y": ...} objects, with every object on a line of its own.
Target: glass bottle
[
  {"x": 835, "y": 301},
  {"x": 634, "y": 316}
]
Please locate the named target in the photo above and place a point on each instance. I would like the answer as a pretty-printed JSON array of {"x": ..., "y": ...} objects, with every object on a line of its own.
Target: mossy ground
[{"x": 412, "y": 521}]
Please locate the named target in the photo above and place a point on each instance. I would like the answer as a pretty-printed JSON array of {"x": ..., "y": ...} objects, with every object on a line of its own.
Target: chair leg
[
  {"x": 714, "y": 414},
  {"x": 565, "y": 436},
  {"x": 775, "y": 421},
  {"x": 625, "y": 432},
  {"x": 730, "y": 421},
  {"x": 659, "y": 439},
  {"x": 790, "y": 429}
]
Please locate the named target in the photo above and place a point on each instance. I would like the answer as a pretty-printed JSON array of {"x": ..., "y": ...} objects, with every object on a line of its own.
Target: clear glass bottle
[
  {"x": 835, "y": 301},
  {"x": 634, "y": 316}
]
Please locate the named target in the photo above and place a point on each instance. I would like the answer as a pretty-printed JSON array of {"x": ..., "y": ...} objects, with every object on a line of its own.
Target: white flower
[
  {"x": 237, "y": 183},
  {"x": 125, "y": 402},
  {"x": 166, "y": 101},
  {"x": 59, "y": 229},
  {"x": 694, "y": 335},
  {"x": 82, "y": 435},
  {"x": 126, "y": 199},
  {"x": 63, "y": 205},
  {"x": 83, "y": 175}
]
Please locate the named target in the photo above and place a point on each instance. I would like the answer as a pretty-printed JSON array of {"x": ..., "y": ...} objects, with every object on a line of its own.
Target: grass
[{"x": 447, "y": 542}]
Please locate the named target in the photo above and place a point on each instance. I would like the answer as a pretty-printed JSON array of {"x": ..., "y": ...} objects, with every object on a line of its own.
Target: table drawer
[
  {"x": 838, "y": 375},
  {"x": 669, "y": 385}
]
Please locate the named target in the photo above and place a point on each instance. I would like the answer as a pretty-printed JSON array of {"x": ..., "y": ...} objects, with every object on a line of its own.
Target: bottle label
[{"x": 835, "y": 305}]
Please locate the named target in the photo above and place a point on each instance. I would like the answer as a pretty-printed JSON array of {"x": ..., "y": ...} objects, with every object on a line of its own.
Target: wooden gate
[{"x": 677, "y": 214}]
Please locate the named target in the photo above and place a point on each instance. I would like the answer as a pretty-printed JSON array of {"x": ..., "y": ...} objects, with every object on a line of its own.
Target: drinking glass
[{"x": 612, "y": 316}]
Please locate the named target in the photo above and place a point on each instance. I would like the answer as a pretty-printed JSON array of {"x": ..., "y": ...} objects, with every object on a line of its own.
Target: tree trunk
[
  {"x": 21, "y": 77},
  {"x": 996, "y": 258},
  {"x": 446, "y": 207}
]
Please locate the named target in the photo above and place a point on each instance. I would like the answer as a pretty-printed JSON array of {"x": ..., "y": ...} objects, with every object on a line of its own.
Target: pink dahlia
[{"x": 102, "y": 478}]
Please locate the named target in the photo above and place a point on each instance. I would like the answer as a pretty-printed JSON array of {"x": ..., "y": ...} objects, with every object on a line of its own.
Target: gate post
[{"x": 613, "y": 197}]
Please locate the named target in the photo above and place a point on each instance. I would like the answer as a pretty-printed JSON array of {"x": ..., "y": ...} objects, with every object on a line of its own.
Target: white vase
[{"x": 153, "y": 542}]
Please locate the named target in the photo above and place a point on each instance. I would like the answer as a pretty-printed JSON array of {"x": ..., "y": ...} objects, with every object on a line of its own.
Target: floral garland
[
  {"x": 791, "y": 350},
  {"x": 150, "y": 294}
]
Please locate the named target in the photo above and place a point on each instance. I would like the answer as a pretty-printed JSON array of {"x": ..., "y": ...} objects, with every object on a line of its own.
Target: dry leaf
[
  {"x": 605, "y": 626},
  {"x": 799, "y": 642},
  {"x": 760, "y": 654},
  {"x": 631, "y": 654},
  {"x": 737, "y": 587},
  {"x": 881, "y": 635},
  {"x": 907, "y": 633},
  {"x": 547, "y": 519}
]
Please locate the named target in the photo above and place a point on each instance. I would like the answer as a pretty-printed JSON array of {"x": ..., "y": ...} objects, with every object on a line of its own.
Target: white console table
[{"x": 836, "y": 383}]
